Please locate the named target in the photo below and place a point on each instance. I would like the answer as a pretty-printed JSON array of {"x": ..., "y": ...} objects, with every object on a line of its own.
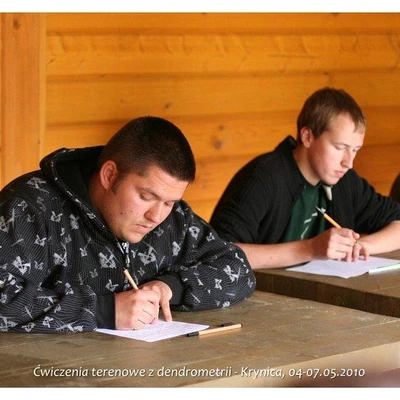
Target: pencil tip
[{"x": 320, "y": 210}]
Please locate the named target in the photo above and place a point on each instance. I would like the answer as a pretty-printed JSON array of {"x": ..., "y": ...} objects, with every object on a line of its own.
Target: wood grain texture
[
  {"x": 278, "y": 333},
  {"x": 22, "y": 93},
  {"x": 233, "y": 82},
  {"x": 253, "y": 23},
  {"x": 376, "y": 293},
  {"x": 211, "y": 54},
  {"x": 94, "y": 99}
]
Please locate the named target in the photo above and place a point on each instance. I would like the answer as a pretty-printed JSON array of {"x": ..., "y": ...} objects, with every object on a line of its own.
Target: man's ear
[
  {"x": 108, "y": 174},
  {"x": 306, "y": 136}
]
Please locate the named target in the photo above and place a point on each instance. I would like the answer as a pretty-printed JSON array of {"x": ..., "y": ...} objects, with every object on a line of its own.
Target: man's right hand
[
  {"x": 136, "y": 308},
  {"x": 335, "y": 244}
]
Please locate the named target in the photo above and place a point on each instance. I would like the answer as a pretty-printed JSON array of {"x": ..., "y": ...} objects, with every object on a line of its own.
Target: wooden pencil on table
[{"x": 222, "y": 328}]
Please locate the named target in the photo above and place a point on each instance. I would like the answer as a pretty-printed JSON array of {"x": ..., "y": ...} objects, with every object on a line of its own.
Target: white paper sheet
[
  {"x": 158, "y": 331},
  {"x": 345, "y": 269}
]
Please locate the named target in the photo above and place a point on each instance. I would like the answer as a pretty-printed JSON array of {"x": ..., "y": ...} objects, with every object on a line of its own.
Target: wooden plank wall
[
  {"x": 234, "y": 83},
  {"x": 22, "y": 99}
]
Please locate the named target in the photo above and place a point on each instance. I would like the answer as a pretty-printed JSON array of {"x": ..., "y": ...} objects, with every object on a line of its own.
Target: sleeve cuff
[
  {"x": 105, "y": 314},
  {"x": 175, "y": 283}
]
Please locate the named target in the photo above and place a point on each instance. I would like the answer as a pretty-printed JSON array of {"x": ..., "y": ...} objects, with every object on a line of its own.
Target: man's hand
[
  {"x": 136, "y": 308},
  {"x": 165, "y": 293},
  {"x": 360, "y": 250},
  {"x": 339, "y": 244}
]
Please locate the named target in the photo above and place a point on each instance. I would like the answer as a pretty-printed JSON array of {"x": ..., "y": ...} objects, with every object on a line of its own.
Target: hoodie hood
[{"x": 70, "y": 170}]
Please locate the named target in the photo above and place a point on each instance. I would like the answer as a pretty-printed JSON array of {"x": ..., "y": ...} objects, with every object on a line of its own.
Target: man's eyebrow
[
  {"x": 347, "y": 145},
  {"x": 154, "y": 194}
]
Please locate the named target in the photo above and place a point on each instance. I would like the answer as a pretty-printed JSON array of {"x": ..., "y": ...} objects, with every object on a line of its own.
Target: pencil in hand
[
  {"x": 130, "y": 279},
  {"x": 331, "y": 220},
  {"x": 328, "y": 218}
]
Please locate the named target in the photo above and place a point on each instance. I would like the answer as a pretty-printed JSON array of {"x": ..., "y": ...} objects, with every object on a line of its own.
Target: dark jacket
[
  {"x": 256, "y": 205},
  {"x": 60, "y": 265},
  {"x": 395, "y": 189}
]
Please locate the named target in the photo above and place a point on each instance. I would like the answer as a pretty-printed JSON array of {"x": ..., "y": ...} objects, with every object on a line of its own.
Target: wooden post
[{"x": 22, "y": 100}]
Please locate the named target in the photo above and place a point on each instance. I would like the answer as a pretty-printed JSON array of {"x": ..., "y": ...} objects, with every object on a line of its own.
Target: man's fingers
[{"x": 166, "y": 311}]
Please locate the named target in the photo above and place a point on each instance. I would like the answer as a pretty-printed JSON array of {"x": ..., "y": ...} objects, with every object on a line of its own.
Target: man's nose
[
  {"x": 348, "y": 159},
  {"x": 154, "y": 214}
]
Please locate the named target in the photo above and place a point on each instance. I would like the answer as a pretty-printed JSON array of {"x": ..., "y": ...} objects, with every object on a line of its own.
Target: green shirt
[{"x": 306, "y": 222}]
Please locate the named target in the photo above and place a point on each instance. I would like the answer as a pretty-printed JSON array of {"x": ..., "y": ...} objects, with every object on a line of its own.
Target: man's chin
[
  {"x": 133, "y": 238},
  {"x": 331, "y": 181},
  {"x": 137, "y": 238}
]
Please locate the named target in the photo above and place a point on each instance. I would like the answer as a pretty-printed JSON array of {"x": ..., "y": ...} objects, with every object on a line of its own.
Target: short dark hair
[
  {"x": 324, "y": 105},
  {"x": 147, "y": 141}
]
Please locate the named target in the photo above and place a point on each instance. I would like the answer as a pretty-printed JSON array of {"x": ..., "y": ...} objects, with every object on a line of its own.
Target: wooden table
[
  {"x": 284, "y": 342},
  {"x": 377, "y": 293}
]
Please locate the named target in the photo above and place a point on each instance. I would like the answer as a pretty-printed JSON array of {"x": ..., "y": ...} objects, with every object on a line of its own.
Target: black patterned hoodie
[{"x": 60, "y": 264}]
